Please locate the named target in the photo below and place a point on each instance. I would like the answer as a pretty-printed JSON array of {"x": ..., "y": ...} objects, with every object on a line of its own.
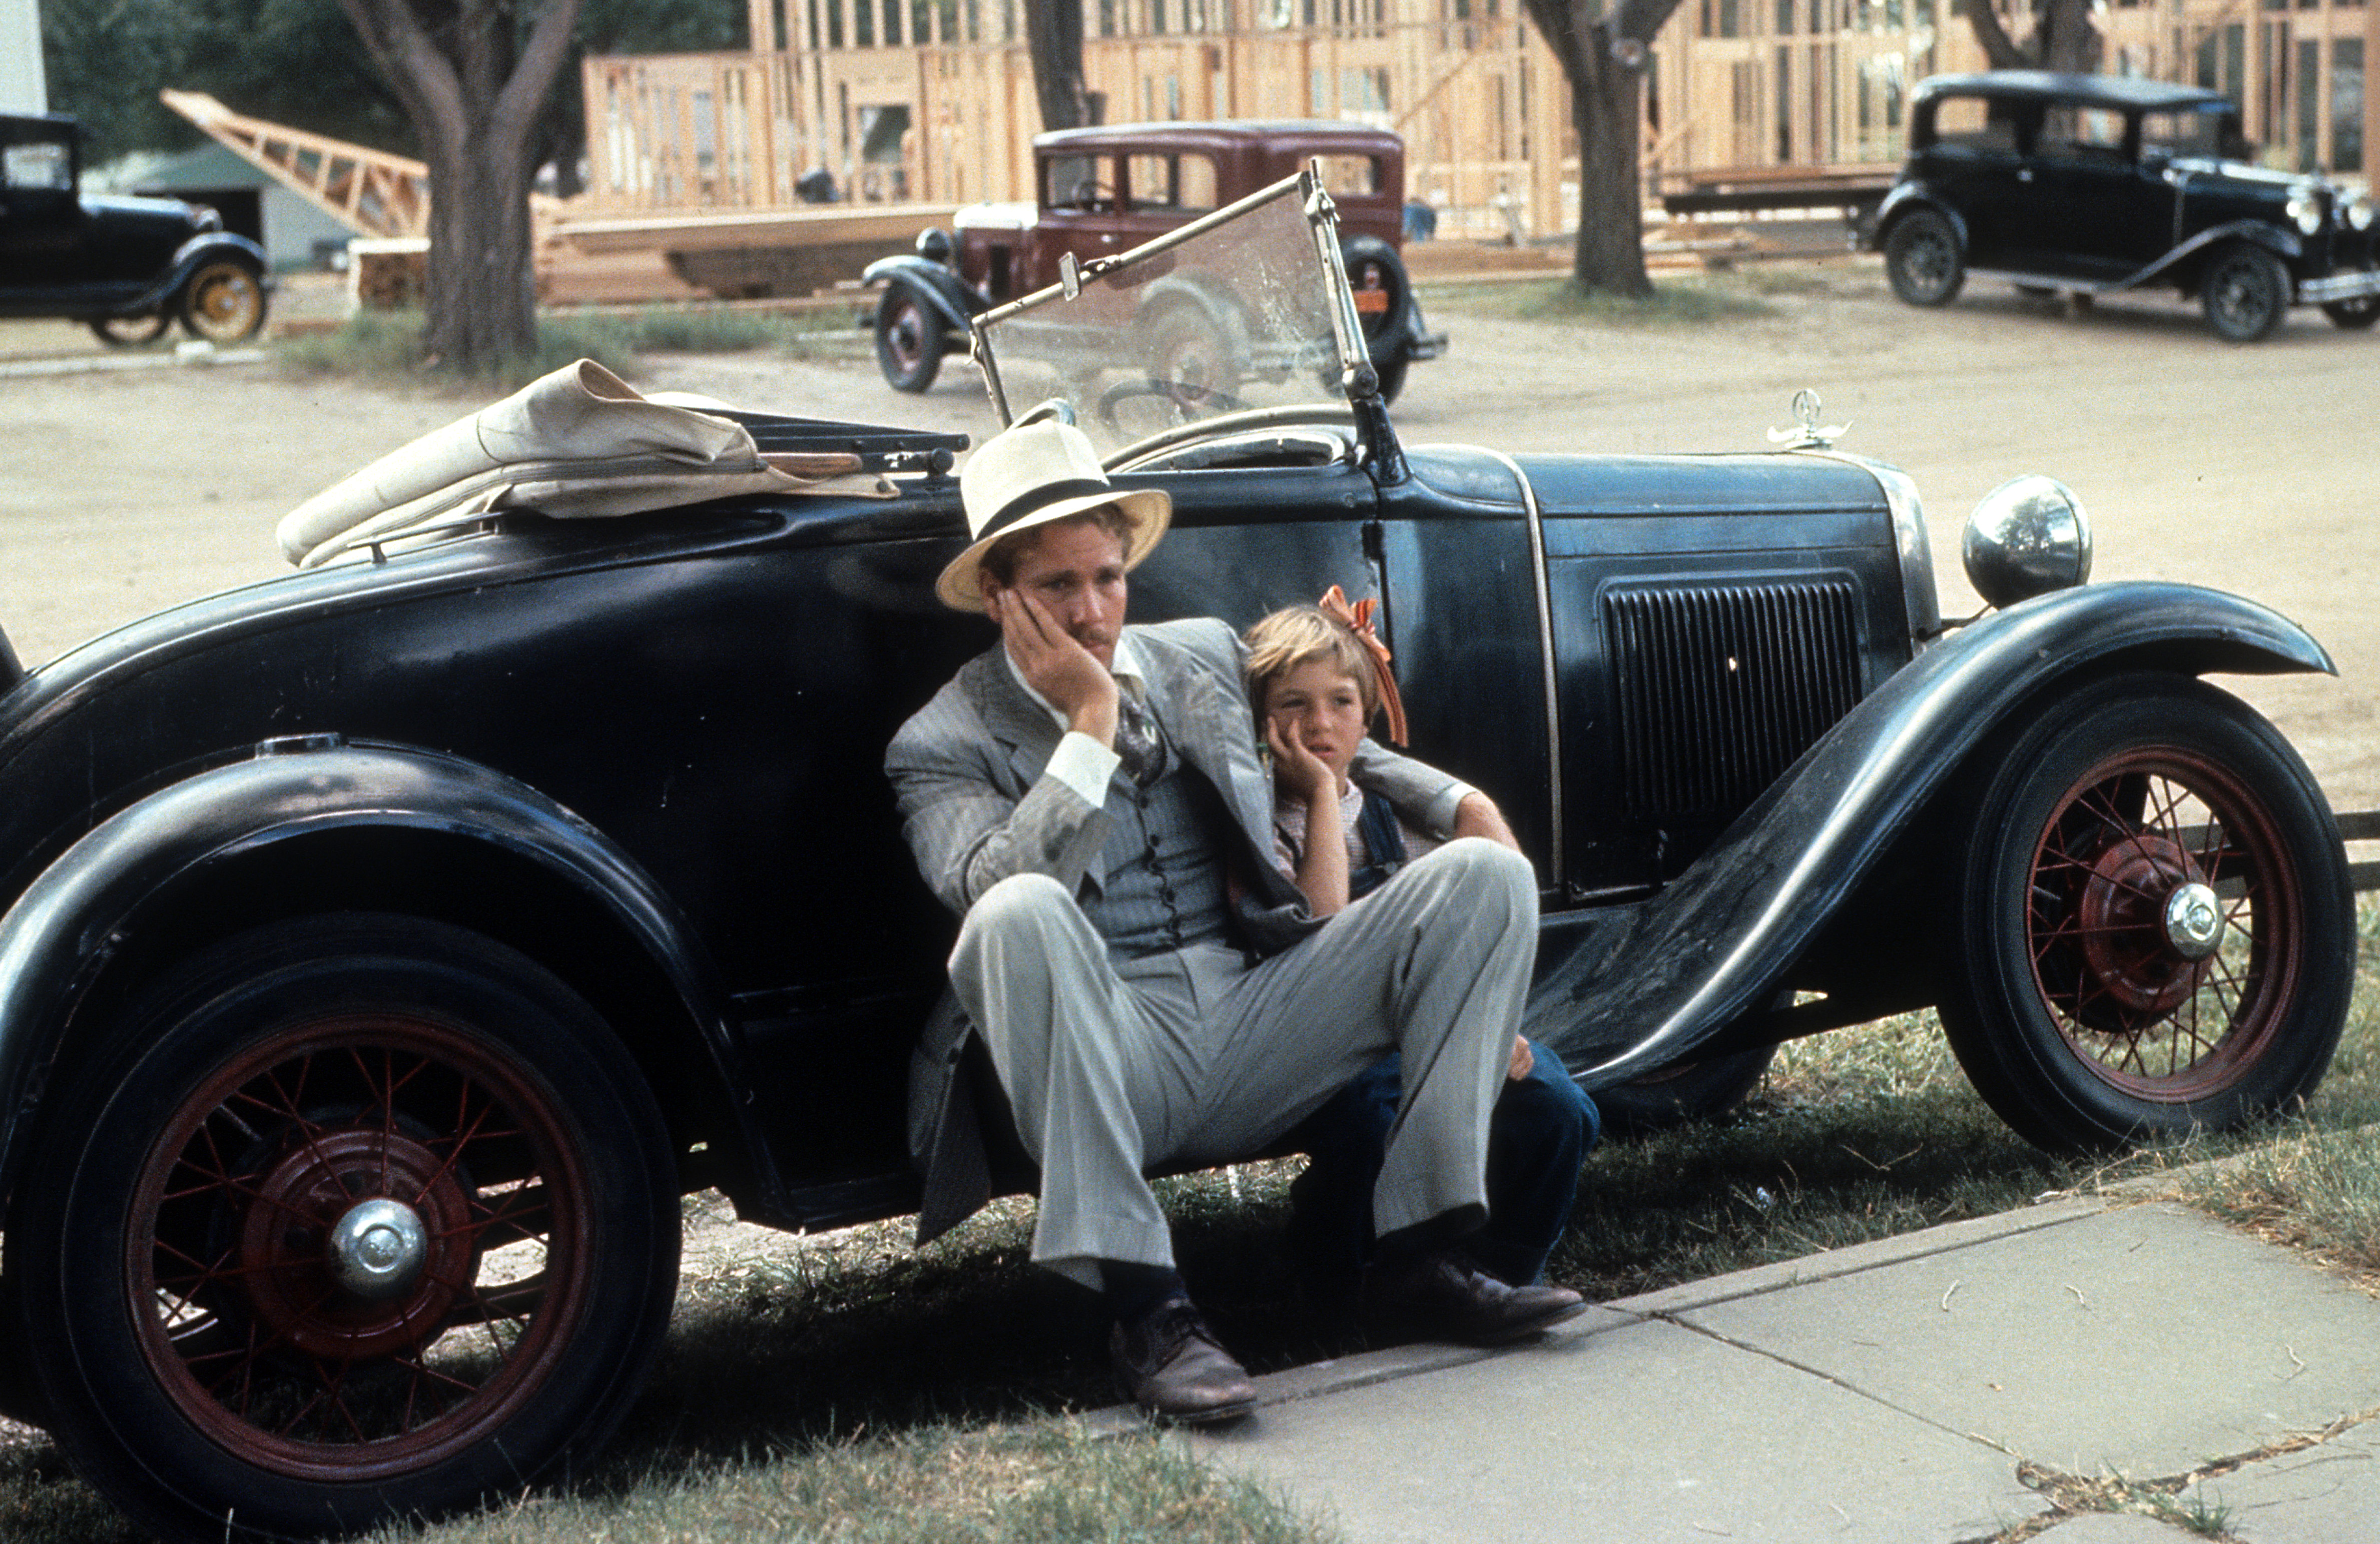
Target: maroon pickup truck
[{"x": 1099, "y": 191}]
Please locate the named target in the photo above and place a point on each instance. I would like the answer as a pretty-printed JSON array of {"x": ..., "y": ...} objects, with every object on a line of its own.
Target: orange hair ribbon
[{"x": 1357, "y": 619}]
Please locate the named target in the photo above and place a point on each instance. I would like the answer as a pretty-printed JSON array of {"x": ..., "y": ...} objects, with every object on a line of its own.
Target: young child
[{"x": 1316, "y": 685}]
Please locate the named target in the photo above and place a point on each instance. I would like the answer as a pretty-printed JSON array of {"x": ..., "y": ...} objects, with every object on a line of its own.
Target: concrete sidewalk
[{"x": 1899, "y": 1392}]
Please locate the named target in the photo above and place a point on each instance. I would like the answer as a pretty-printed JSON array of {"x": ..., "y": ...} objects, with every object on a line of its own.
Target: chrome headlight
[
  {"x": 2305, "y": 209},
  {"x": 2358, "y": 212},
  {"x": 2027, "y": 537}
]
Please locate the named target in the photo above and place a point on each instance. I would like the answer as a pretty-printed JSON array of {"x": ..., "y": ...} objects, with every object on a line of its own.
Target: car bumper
[{"x": 2339, "y": 287}]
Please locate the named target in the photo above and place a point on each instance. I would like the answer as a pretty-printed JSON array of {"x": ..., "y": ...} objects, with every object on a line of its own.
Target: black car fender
[
  {"x": 1904, "y": 198},
  {"x": 2282, "y": 243},
  {"x": 937, "y": 286},
  {"x": 1641, "y": 987},
  {"x": 58, "y": 938}
]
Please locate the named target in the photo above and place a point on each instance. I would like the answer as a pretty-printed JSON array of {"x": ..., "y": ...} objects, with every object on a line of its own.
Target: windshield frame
[{"x": 1358, "y": 381}]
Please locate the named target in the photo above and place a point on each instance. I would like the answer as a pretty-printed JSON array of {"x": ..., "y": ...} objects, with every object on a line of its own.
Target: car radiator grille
[{"x": 1722, "y": 685}]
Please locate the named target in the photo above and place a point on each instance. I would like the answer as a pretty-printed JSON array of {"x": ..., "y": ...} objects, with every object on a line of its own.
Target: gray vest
[{"x": 1162, "y": 865}]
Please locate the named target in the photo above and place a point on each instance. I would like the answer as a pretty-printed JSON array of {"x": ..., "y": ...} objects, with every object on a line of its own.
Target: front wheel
[
  {"x": 2245, "y": 293},
  {"x": 1923, "y": 261},
  {"x": 2155, "y": 933},
  {"x": 359, "y": 1218},
  {"x": 908, "y": 340},
  {"x": 223, "y": 302},
  {"x": 2354, "y": 315}
]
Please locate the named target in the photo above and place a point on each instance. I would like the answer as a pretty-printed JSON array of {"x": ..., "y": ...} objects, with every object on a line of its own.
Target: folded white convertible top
[{"x": 580, "y": 441}]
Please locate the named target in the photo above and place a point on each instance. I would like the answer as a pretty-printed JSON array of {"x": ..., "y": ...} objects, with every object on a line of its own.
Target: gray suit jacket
[{"x": 967, "y": 770}]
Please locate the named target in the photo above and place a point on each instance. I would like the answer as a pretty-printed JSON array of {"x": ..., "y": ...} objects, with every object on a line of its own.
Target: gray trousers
[{"x": 1117, "y": 1066}]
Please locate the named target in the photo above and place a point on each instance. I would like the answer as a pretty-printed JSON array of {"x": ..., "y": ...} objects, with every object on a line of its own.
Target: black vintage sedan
[
  {"x": 2095, "y": 185},
  {"x": 127, "y": 268},
  {"x": 386, "y": 947}
]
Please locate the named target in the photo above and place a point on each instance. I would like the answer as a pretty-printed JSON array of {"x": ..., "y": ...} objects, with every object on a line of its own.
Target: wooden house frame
[{"x": 931, "y": 102}]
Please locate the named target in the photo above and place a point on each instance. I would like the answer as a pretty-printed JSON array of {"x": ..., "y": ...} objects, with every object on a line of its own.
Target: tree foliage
[
  {"x": 298, "y": 62},
  {"x": 288, "y": 61}
]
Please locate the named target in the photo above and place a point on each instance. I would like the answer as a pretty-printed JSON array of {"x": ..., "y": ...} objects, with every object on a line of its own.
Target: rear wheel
[
  {"x": 223, "y": 302},
  {"x": 2244, "y": 292},
  {"x": 908, "y": 339},
  {"x": 131, "y": 332},
  {"x": 2354, "y": 315},
  {"x": 361, "y": 1218},
  {"x": 1923, "y": 259},
  {"x": 2155, "y": 931}
]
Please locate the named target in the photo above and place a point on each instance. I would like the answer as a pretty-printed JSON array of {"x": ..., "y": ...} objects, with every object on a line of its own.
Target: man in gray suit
[{"x": 1152, "y": 989}]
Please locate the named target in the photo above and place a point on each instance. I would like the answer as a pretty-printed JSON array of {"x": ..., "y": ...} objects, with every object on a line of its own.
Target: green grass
[
  {"x": 1679, "y": 302},
  {"x": 1045, "y": 1484},
  {"x": 387, "y": 346}
]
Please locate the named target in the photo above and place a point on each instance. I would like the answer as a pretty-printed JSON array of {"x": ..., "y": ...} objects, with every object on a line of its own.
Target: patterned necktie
[{"x": 1139, "y": 744}]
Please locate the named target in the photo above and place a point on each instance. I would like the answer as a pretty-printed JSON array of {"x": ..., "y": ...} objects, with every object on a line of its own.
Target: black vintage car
[
  {"x": 2095, "y": 185},
  {"x": 125, "y": 267},
  {"x": 385, "y": 948}
]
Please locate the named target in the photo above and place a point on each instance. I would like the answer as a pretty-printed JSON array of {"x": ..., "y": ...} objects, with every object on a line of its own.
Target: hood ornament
[{"x": 1811, "y": 435}]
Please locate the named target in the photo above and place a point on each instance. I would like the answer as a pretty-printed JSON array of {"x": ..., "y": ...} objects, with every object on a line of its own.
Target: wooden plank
[{"x": 2359, "y": 825}]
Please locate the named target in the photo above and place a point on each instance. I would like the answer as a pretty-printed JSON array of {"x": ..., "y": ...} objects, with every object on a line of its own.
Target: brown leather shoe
[
  {"x": 1441, "y": 1296},
  {"x": 1171, "y": 1364}
]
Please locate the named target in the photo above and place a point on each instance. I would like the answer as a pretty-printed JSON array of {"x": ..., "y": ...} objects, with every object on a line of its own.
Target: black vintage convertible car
[{"x": 386, "y": 947}]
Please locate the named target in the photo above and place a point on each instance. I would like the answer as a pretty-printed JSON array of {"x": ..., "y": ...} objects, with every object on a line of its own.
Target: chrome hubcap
[
  {"x": 2194, "y": 921},
  {"x": 377, "y": 1249}
]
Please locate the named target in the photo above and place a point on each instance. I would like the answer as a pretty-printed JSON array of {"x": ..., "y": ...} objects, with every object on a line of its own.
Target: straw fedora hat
[{"x": 1030, "y": 474}]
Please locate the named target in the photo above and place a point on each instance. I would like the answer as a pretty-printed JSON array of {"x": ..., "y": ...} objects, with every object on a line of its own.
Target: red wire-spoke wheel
[
  {"x": 344, "y": 1354},
  {"x": 375, "y": 1217},
  {"x": 2156, "y": 932}
]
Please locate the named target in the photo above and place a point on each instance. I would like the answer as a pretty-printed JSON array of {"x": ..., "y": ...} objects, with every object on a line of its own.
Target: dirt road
[{"x": 2251, "y": 469}]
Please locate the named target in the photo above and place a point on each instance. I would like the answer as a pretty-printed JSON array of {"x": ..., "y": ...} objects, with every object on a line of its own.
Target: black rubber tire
[
  {"x": 1923, "y": 261},
  {"x": 2067, "y": 999},
  {"x": 223, "y": 302},
  {"x": 2353, "y": 316},
  {"x": 1696, "y": 1091},
  {"x": 908, "y": 339},
  {"x": 1391, "y": 371},
  {"x": 2244, "y": 292},
  {"x": 206, "y": 1372},
  {"x": 1378, "y": 277},
  {"x": 129, "y": 332}
]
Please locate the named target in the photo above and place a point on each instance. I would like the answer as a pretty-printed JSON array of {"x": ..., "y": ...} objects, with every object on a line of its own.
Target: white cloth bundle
[{"x": 580, "y": 441}]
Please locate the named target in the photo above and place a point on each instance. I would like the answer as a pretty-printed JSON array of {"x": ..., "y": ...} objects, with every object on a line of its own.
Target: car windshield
[{"x": 1233, "y": 312}]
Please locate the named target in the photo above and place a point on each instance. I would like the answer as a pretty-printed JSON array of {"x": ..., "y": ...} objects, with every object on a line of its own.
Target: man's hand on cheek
[{"x": 1054, "y": 664}]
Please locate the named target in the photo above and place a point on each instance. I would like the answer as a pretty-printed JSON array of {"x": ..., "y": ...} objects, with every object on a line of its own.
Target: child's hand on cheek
[{"x": 1301, "y": 772}]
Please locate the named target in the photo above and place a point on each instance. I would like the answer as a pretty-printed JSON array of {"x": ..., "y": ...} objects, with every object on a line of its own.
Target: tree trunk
[
  {"x": 1603, "y": 58},
  {"x": 474, "y": 100},
  {"x": 1054, "y": 33},
  {"x": 1610, "y": 251},
  {"x": 2063, "y": 37}
]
